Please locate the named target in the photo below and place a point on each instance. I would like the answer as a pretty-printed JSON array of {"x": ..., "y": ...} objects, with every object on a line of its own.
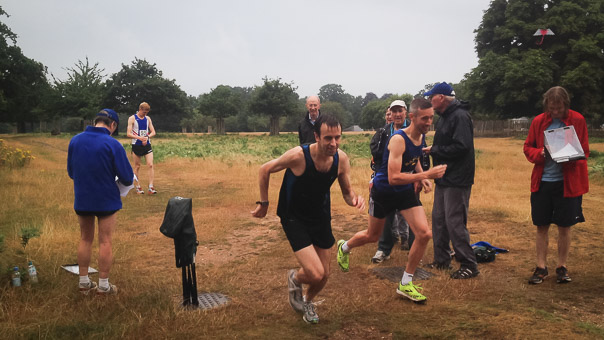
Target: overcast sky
[{"x": 380, "y": 46}]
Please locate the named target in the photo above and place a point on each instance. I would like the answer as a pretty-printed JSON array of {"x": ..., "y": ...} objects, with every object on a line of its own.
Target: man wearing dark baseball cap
[
  {"x": 453, "y": 145},
  {"x": 109, "y": 113},
  {"x": 95, "y": 162}
]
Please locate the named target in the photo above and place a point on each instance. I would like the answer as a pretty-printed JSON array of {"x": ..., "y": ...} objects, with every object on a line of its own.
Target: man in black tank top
[{"x": 305, "y": 209}]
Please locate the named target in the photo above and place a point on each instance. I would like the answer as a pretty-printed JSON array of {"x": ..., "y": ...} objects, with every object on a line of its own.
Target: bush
[{"x": 13, "y": 157}]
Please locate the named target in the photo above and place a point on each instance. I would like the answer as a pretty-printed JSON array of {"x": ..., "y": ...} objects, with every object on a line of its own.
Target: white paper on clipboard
[{"x": 563, "y": 144}]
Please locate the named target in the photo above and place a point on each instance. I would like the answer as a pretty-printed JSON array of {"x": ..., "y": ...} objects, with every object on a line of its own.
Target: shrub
[{"x": 13, "y": 157}]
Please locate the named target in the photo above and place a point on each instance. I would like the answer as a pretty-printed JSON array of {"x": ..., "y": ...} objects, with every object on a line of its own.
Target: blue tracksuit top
[{"x": 94, "y": 159}]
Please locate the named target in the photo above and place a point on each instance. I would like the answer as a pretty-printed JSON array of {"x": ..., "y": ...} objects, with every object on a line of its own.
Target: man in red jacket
[{"x": 556, "y": 188}]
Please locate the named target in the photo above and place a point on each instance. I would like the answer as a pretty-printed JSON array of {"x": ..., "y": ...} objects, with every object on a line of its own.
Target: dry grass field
[{"x": 247, "y": 260}]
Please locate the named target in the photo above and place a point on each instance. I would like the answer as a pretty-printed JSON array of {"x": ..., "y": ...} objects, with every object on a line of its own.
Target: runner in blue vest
[
  {"x": 140, "y": 129},
  {"x": 305, "y": 208},
  {"x": 394, "y": 187}
]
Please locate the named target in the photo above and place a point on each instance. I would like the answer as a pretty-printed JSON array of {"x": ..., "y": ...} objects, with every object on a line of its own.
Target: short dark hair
[
  {"x": 329, "y": 120},
  {"x": 103, "y": 119},
  {"x": 419, "y": 103},
  {"x": 556, "y": 94}
]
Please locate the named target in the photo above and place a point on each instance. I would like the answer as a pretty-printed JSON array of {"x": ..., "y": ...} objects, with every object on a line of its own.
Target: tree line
[{"x": 515, "y": 68}]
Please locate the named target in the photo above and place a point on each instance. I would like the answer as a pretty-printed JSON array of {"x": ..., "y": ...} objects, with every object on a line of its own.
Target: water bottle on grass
[
  {"x": 16, "y": 279},
  {"x": 33, "y": 274}
]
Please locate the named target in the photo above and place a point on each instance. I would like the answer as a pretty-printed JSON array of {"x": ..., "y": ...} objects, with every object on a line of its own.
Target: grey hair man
[
  {"x": 306, "y": 133},
  {"x": 453, "y": 145}
]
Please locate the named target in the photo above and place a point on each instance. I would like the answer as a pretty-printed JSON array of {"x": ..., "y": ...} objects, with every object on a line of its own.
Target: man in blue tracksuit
[{"x": 94, "y": 161}]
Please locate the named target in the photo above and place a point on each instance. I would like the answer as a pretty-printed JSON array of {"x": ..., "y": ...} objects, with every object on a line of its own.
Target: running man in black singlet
[
  {"x": 305, "y": 208},
  {"x": 395, "y": 185}
]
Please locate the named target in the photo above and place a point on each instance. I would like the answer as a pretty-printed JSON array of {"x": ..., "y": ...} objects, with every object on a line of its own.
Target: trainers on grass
[
  {"x": 538, "y": 276},
  {"x": 295, "y": 292},
  {"x": 342, "y": 257},
  {"x": 152, "y": 190},
  {"x": 465, "y": 273},
  {"x": 139, "y": 190},
  {"x": 310, "y": 313},
  {"x": 410, "y": 291},
  {"x": 562, "y": 275},
  {"x": 87, "y": 288},
  {"x": 379, "y": 257},
  {"x": 112, "y": 290}
]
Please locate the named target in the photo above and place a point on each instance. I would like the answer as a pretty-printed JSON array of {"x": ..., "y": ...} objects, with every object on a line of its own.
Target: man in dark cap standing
[
  {"x": 453, "y": 145},
  {"x": 97, "y": 162}
]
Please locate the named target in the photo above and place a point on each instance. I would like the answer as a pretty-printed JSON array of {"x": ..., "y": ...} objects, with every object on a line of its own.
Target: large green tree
[
  {"x": 141, "y": 81},
  {"x": 81, "y": 94},
  {"x": 337, "y": 110},
  {"x": 350, "y": 103},
  {"x": 23, "y": 82},
  {"x": 275, "y": 99},
  {"x": 220, "y": 103},
  {"x": 515, "y": 68}
]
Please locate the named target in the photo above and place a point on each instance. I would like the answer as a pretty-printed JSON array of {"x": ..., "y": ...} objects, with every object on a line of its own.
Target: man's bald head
[{"x": 313, "y": 104}]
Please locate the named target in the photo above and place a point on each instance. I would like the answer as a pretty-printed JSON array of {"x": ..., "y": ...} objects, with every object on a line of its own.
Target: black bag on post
[{"x": 178, "y": 224}]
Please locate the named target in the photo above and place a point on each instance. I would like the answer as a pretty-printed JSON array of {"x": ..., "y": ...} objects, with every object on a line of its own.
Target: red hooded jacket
[{"x": 576, "y": 181}]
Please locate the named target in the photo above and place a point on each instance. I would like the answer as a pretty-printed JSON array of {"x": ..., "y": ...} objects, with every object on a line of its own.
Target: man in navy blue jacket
[
  {"x": 453, "y": 145},
  {"x": 95, "y": 161}
]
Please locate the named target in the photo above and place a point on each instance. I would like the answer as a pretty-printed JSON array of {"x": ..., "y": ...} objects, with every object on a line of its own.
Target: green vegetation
[
  {"x": 515, "y": 67},
  {"x": 13, "y": 157},
  {"x": 27, "y": 233},
  {"x": 233, "y": 147},
  {"x": 595, "y": 163}
]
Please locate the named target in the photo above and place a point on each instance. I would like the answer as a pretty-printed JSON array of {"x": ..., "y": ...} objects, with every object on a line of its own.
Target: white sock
[
  {"x": 406, "y": 278},
  {"x": 84, "y": 280},
  {"x": 345, "y": 248},
  {"x": 104, "y": 283}
]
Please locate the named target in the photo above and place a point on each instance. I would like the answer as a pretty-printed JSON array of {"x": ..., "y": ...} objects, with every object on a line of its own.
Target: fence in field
[{"x": 501, "y": 128}]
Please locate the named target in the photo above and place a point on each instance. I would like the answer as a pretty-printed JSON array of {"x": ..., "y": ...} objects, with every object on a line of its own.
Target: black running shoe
[
  {"x": 538, "y": 276},
  {"x": 465, "y": 273},
  {"x": 562, "y": 275}
]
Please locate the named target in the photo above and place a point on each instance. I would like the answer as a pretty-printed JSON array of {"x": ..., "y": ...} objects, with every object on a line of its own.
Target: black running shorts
[
  {"x": 303, "y": 234},
  {"x": 141, "y": 150},
  {"x": 95, "y": 213},
  {"x": 548, "y": 205},
  {"x": 383, "y": 203}
]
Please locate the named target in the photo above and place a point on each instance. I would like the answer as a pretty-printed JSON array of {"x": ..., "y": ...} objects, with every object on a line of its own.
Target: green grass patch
[
  {"x": 595, "y": 163},
  {"x": 233, "y": 147},
  {"x": 591, "y": 328}
]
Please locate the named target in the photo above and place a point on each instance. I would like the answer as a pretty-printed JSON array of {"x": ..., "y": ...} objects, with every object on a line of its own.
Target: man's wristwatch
[{"x": 262, "y": 203}]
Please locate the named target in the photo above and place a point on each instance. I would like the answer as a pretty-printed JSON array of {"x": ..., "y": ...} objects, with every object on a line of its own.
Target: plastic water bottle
[
  {"x": 33, "y": 274},
  {"x": 16, "y": 277}
]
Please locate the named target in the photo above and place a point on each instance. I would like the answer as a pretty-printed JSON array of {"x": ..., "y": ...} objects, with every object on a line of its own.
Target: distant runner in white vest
[{"x": 140, "y": 129}]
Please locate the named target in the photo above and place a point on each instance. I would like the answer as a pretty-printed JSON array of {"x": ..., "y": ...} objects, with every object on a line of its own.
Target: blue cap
[
  {"x": 111, "y": 114},
  {"x": 441, "y": 88}
]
